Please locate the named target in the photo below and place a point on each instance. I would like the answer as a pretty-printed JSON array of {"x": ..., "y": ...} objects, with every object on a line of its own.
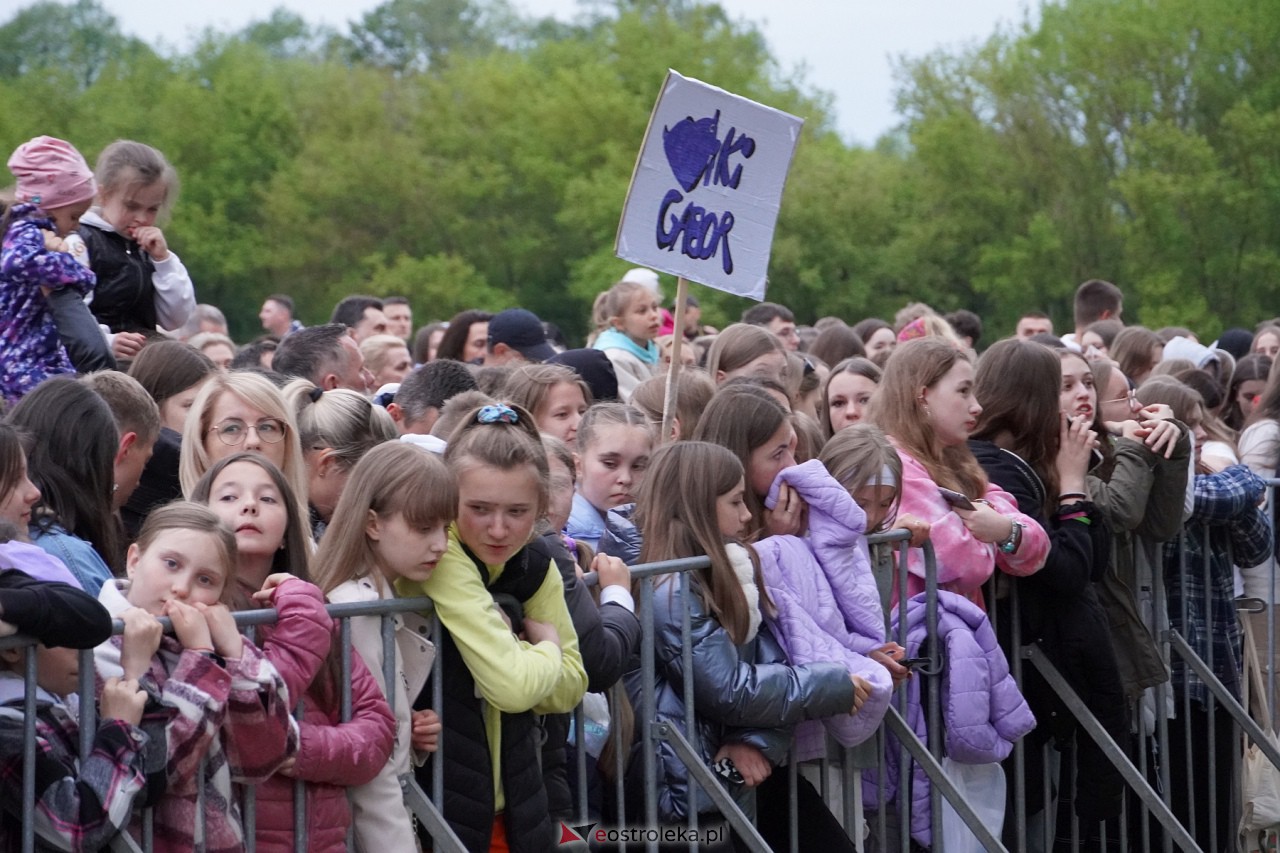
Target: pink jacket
[
  {"x": 964, "y": 563},
  {"x": 331, "y": 754}
]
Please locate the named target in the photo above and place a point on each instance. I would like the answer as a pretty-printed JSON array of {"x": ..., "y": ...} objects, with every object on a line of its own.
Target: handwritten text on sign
[{"x": 705, "y": 194}]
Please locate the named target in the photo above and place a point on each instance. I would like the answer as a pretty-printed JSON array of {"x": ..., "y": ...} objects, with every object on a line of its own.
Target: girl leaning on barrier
[
  {"x": 501, "y": 668},
  {"x": 926, "y": 407},
  {"x": 255, "y": 502},
  {"x": 390, "y": 523},
  {"x": 747, "y": 696},
  {"x": 1035, "y": 438}
]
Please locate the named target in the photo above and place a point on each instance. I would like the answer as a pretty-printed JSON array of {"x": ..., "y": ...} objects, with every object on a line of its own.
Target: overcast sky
[{"x": 845, "y": 45}]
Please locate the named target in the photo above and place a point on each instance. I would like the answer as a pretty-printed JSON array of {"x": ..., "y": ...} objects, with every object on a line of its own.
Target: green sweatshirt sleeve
[{"x": 513, "y": 676}]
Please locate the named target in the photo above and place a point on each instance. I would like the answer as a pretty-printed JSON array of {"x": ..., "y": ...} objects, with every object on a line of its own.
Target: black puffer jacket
[
  {"x": 1061, "y": 614},
  {"x": 608, "y": 638}
]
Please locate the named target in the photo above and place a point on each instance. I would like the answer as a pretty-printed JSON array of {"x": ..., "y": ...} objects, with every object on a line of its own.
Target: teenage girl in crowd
[
  {"x": 1139, "y": 485},
  {"x": 390, "y": 524},
  {"x": 240, "y": 411},
  {"x": 879, "y": 339},
  {"x": 846, "y": 394},
  {"x": 172, "y": 373},
  {"x": 336, "y": 428},
  {"x": 631, "y": 312},
  {"x": 1040, "y": 454},
  {"x": 226, "y": 716},
  {"x": 755, "y": 427},
  {"x": 555, "y": 394},
  {"x": 252, "y": 498},
  {"x": 498, "y": 676},
  {"x": 141, "y": 283},
  {"x": 746, "y": 350},
  {"x": 1226, "y": 525},
  {"x": 692, "y": 504},
  {"x": 18, "y": 495},
  {"x": 72, "y": 465},
  {"x": 54, "y": 189},
  {"x": 1245, "y": 391},
  {"x": 614, "y": 444},
  {"x": 79, "y": 805},
  {"x": 926, "y": 407}
]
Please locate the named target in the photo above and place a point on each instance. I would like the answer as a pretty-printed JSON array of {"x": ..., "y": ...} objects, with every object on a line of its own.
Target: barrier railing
[{"x": 889, "y": 822}]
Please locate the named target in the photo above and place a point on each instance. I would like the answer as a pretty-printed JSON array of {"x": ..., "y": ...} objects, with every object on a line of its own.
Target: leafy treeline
[{"x": 466, "y": 156}]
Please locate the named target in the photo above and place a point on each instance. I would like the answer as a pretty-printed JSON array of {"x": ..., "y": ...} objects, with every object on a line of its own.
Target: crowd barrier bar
[{"x": 911, "y": 748}]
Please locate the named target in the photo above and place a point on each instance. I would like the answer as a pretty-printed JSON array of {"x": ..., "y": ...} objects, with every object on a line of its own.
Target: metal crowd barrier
[{"x": 886, "y": 827}]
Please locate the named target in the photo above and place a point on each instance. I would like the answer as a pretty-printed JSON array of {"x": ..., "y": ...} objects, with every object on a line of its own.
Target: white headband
[{"x": 884, "y": 478}]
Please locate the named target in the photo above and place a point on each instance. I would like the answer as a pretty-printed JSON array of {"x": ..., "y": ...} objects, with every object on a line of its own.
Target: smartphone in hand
[{"x": 957, "y": 500}]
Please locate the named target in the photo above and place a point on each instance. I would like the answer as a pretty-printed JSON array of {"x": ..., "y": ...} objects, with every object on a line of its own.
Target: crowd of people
[{"x": 150, "y": 466}]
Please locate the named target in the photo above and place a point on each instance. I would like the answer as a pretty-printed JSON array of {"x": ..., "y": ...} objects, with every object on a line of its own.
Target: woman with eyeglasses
[{"x": 242, "y": 411}]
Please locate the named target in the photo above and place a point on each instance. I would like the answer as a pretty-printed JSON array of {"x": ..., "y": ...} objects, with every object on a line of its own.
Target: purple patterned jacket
[{"x": 30, "y": 349}]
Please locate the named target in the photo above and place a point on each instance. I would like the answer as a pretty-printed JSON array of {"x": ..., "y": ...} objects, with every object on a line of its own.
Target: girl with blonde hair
[{"x": 336, "y": 428}]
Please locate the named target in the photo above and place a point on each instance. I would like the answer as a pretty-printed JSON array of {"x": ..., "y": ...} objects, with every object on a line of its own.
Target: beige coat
[{"x": 381, "y": 820}]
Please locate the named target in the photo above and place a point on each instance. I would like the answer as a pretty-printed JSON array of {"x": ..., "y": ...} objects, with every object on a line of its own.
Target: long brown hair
[
  {"x": 1017, "y": 382},
  {"x": 739, "y": 345},
  {"x": 294, "y": 557},
  {"x": 394, "y": 478},
  {"x": 1132, "y": 350},
  {"x": 676, "y": 514},
  {"x": 295, "y": 552},
  {"x": 742, "y": 418},
  {"x": 897, "y": 409}
]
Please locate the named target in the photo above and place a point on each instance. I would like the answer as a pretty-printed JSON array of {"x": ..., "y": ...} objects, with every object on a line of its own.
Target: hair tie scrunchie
[
  {"x": 315, "y": 394},
  {"x": 911, "y": 331},
  {"x": 499, "y": 412}
]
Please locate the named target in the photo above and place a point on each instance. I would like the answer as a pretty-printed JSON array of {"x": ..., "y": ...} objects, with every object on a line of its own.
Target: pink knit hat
[{"x": 51, "y": 173}]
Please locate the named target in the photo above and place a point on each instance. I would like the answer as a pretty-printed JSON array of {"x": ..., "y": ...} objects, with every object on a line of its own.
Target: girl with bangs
[
  {"x": 925, "y": 405},
  {"x": 390, "y": 524}
]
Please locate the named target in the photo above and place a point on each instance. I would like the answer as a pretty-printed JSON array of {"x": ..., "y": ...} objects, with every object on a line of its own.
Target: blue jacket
[
  {"x": 744, "y": 693},
  {"x": 77, "y": 554}
]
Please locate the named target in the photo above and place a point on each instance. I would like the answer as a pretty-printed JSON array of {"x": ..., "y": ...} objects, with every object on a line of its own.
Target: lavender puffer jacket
[
  {"x": 983, "y": 712},
  {"x": 826, "y": 600}
]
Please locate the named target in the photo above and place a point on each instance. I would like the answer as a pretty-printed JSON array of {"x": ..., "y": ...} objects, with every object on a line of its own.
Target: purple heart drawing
[{"x": 691, "y": 148}]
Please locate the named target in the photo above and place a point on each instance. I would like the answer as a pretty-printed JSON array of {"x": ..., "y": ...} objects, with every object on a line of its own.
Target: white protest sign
[{"x": 708, "y": 182}]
